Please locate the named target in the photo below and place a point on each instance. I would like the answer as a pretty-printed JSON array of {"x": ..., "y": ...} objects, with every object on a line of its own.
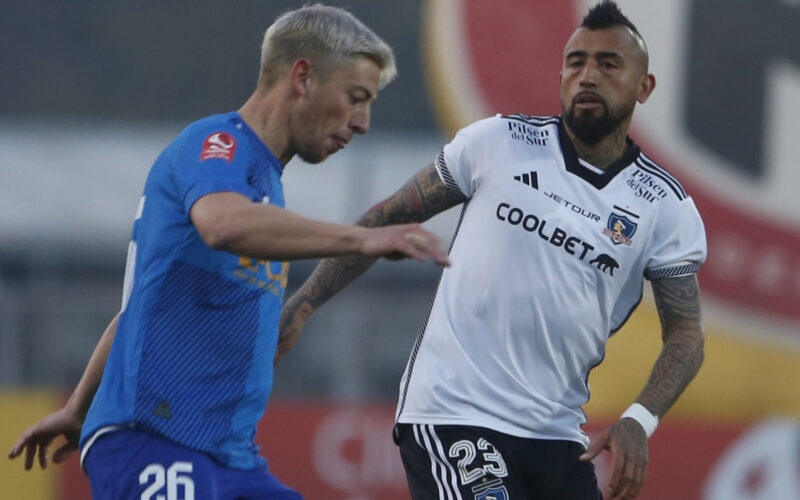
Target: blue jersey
[{"x": 192, "y": 359}]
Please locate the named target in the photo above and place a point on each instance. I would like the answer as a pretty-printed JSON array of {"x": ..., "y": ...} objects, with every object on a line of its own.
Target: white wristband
[{"x": 647, "y": 420}]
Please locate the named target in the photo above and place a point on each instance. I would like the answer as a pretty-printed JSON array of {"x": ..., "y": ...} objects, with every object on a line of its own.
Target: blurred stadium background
[{"x": 92, "y": 91}]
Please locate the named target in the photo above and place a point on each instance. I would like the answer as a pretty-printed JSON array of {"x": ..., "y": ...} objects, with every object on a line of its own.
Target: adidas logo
[
  {"x": 163, "y": 410},
  {"x": 530, "y": 179}
]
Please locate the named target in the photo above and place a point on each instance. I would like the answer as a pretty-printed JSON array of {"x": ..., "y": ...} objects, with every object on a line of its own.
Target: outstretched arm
[
  {"x": 678, "y": 304},
  {"x": 422, "y": 197},
  {"x": 232, "y": 222},
  {"x": 68, "y": 420}
]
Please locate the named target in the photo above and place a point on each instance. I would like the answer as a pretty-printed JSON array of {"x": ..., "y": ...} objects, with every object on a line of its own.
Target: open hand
[
  {"x": 627, "y": 442},
  {"x": 41, "y": 435},
  {"x": 404, "y": 240}
]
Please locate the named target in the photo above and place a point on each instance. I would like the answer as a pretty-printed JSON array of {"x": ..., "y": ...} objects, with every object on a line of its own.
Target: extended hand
[
  {"x": 406, "y": 240},
  {"x": 627, "y": 442},
  {"x": 41, "y": 434}
]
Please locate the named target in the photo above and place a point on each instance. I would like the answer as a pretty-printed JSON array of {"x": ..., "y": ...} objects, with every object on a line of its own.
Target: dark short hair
[{"x": 605, "y": 15}]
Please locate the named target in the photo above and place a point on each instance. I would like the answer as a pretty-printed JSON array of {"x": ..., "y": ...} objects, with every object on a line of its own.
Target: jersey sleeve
[
  {"x": 678, "y": 245},
  {"x": 460, "y": 160},
  {"x": 211, "y": 161}
]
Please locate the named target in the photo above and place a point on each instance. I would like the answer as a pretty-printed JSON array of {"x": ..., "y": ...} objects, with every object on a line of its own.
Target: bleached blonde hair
[{"x": 329, "y": 37}]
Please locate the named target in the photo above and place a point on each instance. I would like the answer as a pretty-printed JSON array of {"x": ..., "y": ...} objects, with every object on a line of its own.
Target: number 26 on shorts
[{"x": 156, "y": 478}]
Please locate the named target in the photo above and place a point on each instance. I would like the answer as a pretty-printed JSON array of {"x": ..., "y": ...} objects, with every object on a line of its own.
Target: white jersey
[{"x": 548, "y": 262}]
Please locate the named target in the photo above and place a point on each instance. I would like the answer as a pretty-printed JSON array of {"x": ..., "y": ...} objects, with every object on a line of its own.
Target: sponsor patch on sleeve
[{"x": 218, "y": 145}]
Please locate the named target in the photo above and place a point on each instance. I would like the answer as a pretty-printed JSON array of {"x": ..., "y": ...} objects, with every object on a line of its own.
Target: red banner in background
[{"x": 332, "y": 452}]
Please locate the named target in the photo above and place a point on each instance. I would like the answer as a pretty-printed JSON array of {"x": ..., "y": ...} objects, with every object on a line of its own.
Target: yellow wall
[{"x": 18, "y": 411}]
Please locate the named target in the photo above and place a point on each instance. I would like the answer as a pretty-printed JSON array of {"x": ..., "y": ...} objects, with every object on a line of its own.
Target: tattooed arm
[
  {"x": 678, "y": 304},
  {"x": 422, "y": 197}
]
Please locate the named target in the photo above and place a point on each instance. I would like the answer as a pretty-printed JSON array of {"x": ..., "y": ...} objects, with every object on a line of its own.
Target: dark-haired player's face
[
  {"x": 335, "y": 109},
  {"x": 603, "y": 75}
]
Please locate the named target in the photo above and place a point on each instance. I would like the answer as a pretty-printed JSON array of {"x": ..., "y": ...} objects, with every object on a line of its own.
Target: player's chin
[{"x": 314, "y": 156}]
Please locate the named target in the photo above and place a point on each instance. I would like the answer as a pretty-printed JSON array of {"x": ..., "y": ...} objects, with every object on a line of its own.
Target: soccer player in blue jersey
[{"x": 181, "y": 376}]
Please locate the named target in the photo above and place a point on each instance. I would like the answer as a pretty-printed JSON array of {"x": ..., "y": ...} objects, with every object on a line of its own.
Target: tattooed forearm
[
  {"x": 678, "y": 304},
  {"x": 330, "y": 276},
  {"x": 422, "y": 197}
]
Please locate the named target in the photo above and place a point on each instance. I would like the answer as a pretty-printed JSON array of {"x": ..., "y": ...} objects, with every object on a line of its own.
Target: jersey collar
[
  {"x": 598, "y": 180},
  {"x": 273, "y": 160}
]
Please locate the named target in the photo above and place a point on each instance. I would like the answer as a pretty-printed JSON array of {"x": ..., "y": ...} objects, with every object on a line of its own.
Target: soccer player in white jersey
[
  {"x": 187, "y": 363},
  {"x": 563, "y": 219}
]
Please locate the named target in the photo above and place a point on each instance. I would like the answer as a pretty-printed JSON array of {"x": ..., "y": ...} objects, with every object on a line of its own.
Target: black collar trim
[{"x": 597, "y": 180}]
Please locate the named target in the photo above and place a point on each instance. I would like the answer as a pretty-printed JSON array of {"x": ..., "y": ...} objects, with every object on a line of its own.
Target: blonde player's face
[
  {"x": 335, "y": 109},
  {"x": 603, "y": 75}
]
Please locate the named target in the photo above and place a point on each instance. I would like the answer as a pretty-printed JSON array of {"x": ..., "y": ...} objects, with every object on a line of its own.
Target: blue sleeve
[{"x": 211, "y": 161}]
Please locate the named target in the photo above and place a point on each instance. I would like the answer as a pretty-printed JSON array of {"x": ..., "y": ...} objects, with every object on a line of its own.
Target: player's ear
[
  {"x": 300, "y": 76},
  {"x": 646, "y": 85}
]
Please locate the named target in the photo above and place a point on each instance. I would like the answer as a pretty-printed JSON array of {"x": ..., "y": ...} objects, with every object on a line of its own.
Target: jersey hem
[
  {"x": 495, "y": 425},
  {"x": 95, "y": 435}
]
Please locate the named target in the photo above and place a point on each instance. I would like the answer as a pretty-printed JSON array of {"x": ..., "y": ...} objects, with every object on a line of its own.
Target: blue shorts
[{"x": 128, "y": 464}]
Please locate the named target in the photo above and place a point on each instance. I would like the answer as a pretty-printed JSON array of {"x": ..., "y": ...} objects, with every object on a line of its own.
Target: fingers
[
  {"x": 628, "y": 473},
  {"x": 629, "y": 448},
  {"x": 417, "y": 240},
  {"x": 64, "y": 452},
  {"x": 630, "y": 481},
  {"x": 417, "y": 248},
  {"x": 599, "y": 444},
  {"x": 425, "y": 245},
  {"x": 23, "y": 440},
  {"x": 43, "y": 455},
  {"x": 16, "y": 449},
  {"x": 624, "y": 481},
  {"x": 30, "y": 451},
  {"x": 617, "y": 470}
]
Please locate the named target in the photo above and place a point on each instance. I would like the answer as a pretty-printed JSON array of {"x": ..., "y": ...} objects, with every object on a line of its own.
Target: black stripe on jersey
[
  {"x": 538, "y": 121},
  {"x": 588, "y": 390},
  {"x": 627, "y": 316},
  {"x": 418, "y": 342},
  {"x": 671, "y": 271},
  {"x": 655, "y": 165},
  {"x": 598, "y": 180},
  {"x": 650, "y": 167},
  {"x": 626, "y": 212},
  {"x": 448, "y": 178}
]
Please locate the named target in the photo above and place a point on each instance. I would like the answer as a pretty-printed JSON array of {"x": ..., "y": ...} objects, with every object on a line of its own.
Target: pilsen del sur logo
[{"x": 721, "y": 154}]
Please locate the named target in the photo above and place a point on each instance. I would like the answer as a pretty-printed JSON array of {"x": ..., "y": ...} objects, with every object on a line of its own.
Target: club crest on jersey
[
  {"x": 496, "y": 493},
  {"x": 620, "y": 228},
  {"x": 218, "y": 145}
]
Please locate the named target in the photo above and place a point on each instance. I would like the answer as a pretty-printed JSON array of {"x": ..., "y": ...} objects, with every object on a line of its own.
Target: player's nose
[
  {"x": 588, "y": 75},
  {"x": 359, "y": 122}
]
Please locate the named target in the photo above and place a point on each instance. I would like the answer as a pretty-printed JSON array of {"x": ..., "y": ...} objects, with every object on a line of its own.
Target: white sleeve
[
  {"x": 460, "y": 162},
  {"x": 678, "y": 245}
]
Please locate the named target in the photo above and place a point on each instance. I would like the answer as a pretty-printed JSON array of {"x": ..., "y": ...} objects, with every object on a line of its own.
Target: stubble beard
[{"x": 591, "y": 129}]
